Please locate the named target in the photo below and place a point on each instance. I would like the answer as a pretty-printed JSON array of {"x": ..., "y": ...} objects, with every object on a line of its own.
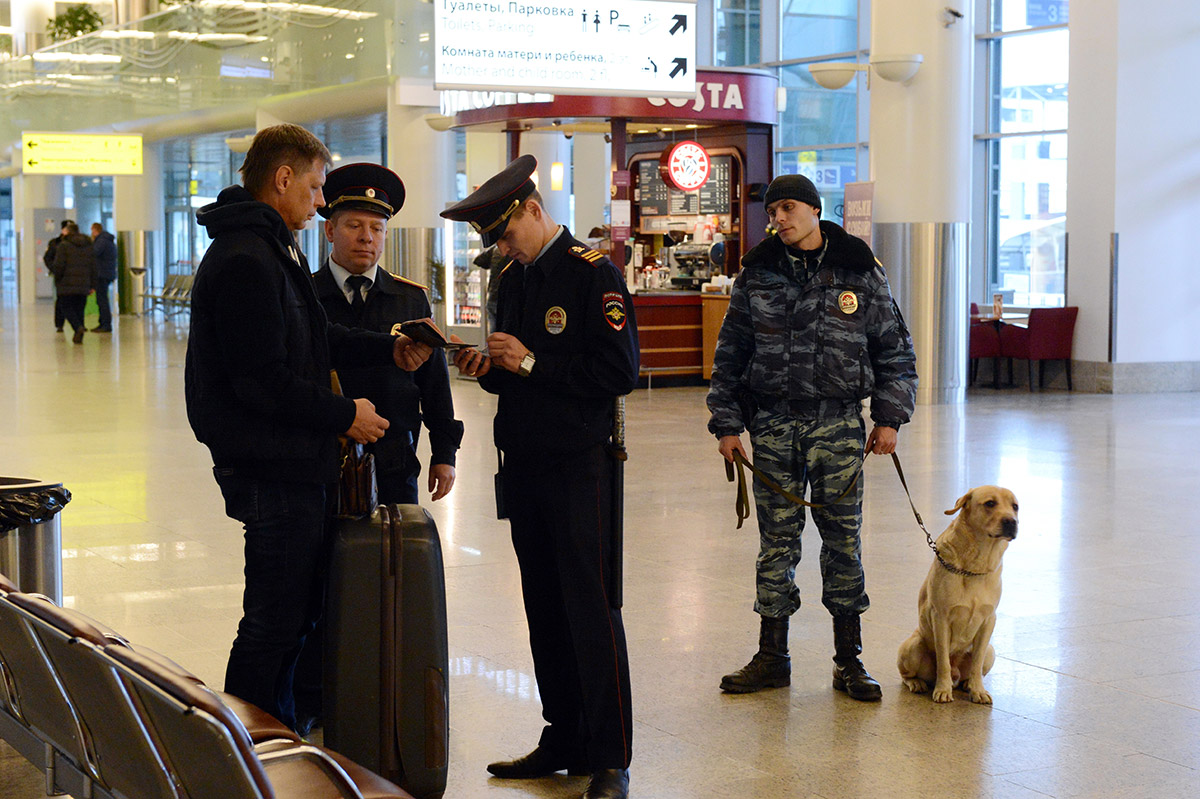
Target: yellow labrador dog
[{"x": 956, "y": 612}]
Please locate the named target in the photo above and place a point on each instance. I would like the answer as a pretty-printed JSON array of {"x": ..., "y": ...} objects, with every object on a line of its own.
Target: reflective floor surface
[{"x": 1096, "y": 686}]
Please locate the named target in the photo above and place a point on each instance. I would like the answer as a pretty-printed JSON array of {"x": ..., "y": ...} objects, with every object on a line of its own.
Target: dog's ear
[{"x": 962, "y": 502}]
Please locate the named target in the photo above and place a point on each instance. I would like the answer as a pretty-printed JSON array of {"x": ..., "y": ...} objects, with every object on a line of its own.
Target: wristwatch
[{"x": 526, "y": 365}]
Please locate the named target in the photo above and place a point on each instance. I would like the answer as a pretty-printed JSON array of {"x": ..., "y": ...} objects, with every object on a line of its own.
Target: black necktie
[{"x": 356, "y": 283}]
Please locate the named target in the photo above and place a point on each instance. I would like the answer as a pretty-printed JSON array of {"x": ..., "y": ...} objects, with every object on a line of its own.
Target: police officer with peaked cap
[
  {"x": 357, "y": 292},
  {"x": 564, "y": 349}
]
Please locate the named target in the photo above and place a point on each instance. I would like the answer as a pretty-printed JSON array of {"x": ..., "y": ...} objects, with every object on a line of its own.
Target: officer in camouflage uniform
[{"x": 811, "y": 331}]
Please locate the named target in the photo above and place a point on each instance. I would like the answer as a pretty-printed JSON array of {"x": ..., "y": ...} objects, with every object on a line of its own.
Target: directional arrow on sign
[
  {"x": 680, "y": 66},
  {"x": 680, "y": 24},
  {"x": 31, "y": 162}
]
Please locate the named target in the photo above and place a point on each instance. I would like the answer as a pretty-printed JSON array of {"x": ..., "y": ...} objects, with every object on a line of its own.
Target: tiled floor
[{"x": 1097, "y": 685}]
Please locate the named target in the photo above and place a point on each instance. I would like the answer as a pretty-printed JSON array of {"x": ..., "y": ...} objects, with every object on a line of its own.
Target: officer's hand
[
  {"x": 368, "y": 426},
  {"x": 441, "y": 480},
  {"x": 409, "y": 354},
  {"x": 727, "y": 445},
  {"x": 469, "y": 361},
  {"x": 882, "y": 440},
  {"x": 507, "y": 351}
]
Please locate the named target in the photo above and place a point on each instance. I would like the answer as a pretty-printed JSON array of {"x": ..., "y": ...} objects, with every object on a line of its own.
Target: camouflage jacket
[{"x": 837, "y": 336}]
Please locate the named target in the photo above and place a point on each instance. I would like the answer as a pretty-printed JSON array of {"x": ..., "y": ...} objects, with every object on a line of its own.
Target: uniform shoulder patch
[
  {"x": 593, "y": 257},
  {"x": 614, "y": 309},
  {"x": 410, "y": 282}
]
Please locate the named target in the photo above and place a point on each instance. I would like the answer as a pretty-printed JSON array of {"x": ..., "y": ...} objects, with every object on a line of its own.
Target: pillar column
[
  {"x": 592, "y": 179},
  {"x": 38, "y": 213},
  {"x": 425, "y": 160},
  {"x": 920, "y": 156},
  {"x": 138, "y": 221},
  {"x": 29, "y": 24},
  {"x": 125, "y": 11},
  {"x": 549, "y": 149},
  {"x": 1132, "y": 197}
]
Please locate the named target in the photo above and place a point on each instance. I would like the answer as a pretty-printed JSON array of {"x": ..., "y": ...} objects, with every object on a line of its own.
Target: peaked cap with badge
[
  {"x": 363, "y": 187},
  {"x": 489, "y": 207}
]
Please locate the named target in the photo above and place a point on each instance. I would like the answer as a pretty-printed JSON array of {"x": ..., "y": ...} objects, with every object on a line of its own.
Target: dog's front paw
[
  {"x": 916, "y": 685},
  {"x": 943, "y": 693},
  {"x": 981, "y": 697}
]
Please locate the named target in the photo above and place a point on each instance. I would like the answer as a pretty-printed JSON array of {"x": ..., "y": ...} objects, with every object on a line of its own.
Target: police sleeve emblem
[{"x": 614, "y": 310}]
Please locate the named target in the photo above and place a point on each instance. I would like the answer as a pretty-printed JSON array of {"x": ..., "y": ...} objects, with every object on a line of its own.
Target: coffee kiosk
[{"x": 694, "y": 170}]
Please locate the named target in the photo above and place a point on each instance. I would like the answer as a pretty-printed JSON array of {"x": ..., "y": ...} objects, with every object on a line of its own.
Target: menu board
[{"x": 656, "y": 198}]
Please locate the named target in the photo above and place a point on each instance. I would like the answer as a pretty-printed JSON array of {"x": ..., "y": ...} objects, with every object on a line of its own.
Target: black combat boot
[
  {"x": 849, "y": 674},
  {"x": 770, "y": 667}
]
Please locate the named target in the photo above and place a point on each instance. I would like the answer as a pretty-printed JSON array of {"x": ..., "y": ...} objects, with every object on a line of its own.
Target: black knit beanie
[{"x": 792, "y": 187}]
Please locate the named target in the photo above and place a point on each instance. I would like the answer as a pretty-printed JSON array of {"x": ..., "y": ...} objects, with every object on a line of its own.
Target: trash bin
[{"x": 31, "y": 534}]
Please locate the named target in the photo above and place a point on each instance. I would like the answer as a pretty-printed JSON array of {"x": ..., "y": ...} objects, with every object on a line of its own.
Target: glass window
[
  {"x": 1013, "y": 15},
  {"x": 814, "y": 115},
  {"x": 1030, "y": 222},
  {"x": 1030, "y": 73},
  {"x": 1025, "y": 234},
  {"x": 815, "y": 27},
  {"x": 738, "y": 33},
  {"x": 830, "y": 169}
]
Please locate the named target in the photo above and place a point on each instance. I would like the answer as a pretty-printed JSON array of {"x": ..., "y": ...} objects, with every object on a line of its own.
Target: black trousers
[
  {"x": 285, "y": 524},
  {"x": 72, "y": 306},
  {"x": 560, "y": 511}
]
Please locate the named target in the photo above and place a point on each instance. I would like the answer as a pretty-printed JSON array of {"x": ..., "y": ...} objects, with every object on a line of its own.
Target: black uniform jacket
[
  {"x": 403, "y": 398},
  {"x": 260, "y": 350},
  {"x": 579, "y": 324}
]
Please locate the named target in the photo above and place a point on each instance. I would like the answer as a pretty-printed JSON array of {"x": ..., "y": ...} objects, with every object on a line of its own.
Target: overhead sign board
[
  {"x": 81, "y": 154},
  {"x": 635, "y": 48}
]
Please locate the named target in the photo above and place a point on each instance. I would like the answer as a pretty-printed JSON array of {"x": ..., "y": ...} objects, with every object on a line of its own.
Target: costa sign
[
  {"x": 685, "y": 166},
  {"x": 721, "y": 96}
]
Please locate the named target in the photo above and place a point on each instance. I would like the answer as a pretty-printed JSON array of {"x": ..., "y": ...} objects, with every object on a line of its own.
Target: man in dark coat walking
[
  {"x": 48, "y": 260},
  {"x": 74, "y": 276}
]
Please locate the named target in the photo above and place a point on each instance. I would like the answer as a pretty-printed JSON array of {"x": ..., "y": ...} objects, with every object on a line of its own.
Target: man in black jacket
[
  {"x": 258, "y": 395},
  {"x": 74, "y": 272},
  {"x": 356, "y": 292},
  {"x": 105, "y": 247},
  {"x": 566, "y": 347},
  {"x": 48, "y": 260}
]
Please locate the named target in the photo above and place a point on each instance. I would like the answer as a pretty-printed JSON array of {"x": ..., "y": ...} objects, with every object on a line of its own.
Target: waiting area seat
[
  {"x": 1049, "y": 336},
  {"x": 103, "y": 717},
  {"x": 174, "y": 296}
]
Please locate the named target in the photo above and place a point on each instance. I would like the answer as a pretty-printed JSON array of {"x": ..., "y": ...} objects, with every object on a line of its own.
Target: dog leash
[
  {"x": 742, "y": 506},
  {"x": 928, "y": 538}
]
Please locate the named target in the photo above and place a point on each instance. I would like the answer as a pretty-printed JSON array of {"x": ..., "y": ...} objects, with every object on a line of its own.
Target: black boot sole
[
  {"x": 735, "y": 688},
  {"x": 873, "y": 696}
]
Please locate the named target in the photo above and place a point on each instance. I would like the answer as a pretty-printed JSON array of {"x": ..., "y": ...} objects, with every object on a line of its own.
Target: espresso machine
[{"x": 690, "y": 265}]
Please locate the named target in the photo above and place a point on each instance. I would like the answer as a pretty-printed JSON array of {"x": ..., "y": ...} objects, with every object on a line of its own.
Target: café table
[{"x": 1018, "y": 318}]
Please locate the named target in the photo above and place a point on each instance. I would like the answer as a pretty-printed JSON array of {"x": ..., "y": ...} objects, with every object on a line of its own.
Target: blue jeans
[
  {"x": 284, "y": 576},
  {"x": 104, "y": 304}
]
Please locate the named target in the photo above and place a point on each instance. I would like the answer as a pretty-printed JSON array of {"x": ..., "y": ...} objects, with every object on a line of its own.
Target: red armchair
[
  {"x": 1048, "y": 338},
  {"x": 983, "y": 341}
]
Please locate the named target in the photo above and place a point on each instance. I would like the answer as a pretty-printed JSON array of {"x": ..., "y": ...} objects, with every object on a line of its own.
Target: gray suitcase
[{"x": 386, "y": 702}]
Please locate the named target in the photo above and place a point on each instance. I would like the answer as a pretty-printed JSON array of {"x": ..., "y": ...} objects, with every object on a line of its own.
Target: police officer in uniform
[
  {"x": 811, "y": 331},
  {"x": 565, "y": 348},
  {"x": 357, "y": 292}
]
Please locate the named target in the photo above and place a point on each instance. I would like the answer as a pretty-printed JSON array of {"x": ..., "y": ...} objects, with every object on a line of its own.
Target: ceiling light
[{"x": 82, "y": 58}]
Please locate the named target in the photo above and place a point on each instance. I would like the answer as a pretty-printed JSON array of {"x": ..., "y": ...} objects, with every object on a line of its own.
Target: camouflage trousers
[{"x": 822, "y": 454}]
